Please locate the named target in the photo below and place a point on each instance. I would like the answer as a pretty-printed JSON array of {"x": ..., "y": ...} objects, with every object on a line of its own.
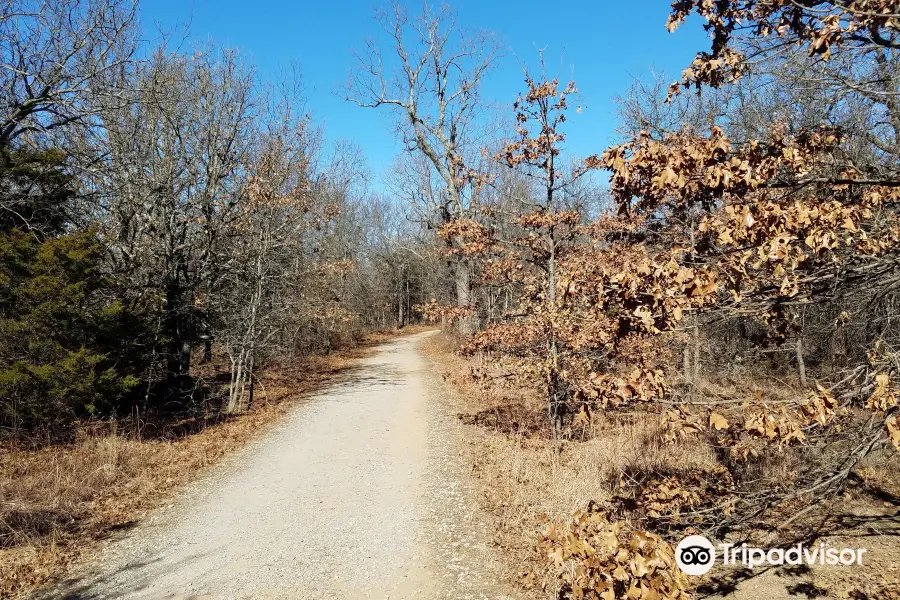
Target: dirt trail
[{"x": 358, "y": 493}]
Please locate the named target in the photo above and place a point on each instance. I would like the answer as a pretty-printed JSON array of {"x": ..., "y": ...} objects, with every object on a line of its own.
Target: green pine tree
[{"x": 66, "y": 343}]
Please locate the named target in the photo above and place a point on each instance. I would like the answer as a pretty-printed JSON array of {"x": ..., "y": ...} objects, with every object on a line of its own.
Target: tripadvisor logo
[{"x": 695, "y": 555}]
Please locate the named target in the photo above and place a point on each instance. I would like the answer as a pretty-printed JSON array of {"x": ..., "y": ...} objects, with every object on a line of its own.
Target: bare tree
[
  {"x": 434, "y": 93},
  {"x": 170, "y": 184},
  {"x": 55, "y": 58},
  {"x": 261, "y": 289}
]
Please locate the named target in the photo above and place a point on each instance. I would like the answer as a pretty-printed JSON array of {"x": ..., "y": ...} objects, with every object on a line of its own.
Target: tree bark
[
  {"x": 178, "y": 354},
  {"x": 688, "y": 374},
  {"x": 466, "y": 325},
  {"x": 696, "y": 351},
  {"x": 801, "y": 365}
]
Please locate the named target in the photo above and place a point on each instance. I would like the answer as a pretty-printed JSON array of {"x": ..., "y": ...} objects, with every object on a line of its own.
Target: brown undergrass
[
  {"x": 524, "y": 475},
  {"x": 55, "y": 502}
]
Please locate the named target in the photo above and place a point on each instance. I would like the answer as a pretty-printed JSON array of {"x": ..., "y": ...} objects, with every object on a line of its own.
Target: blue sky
[{"x": 605, "y": 44}]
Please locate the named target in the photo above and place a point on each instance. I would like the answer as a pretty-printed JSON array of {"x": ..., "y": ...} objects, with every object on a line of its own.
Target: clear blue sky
[{"x": 606, "y": 44}]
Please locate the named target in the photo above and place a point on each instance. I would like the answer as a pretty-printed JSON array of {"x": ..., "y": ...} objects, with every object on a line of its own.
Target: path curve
[{"x": 360, "y": 492}]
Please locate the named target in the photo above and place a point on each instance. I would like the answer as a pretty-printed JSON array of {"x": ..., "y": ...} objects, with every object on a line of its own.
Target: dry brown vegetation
[
  {"x": 769, "y": 242},
  {"x": 707, "y": 343},
  {"x": 58, "y": 500},
  {"x": 527, "y": 479}
]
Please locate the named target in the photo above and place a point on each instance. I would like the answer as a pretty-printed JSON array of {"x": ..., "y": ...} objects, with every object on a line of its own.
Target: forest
[
  {"x": 158, "y": 205},
  {"x": 173, "y": 226}
]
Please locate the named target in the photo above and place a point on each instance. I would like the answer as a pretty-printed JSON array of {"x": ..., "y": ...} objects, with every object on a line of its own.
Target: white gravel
[{"x": 360, "y": 492}]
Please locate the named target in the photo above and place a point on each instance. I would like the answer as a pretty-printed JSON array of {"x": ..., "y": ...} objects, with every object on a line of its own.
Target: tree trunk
[
  {"x": 801, "y": 365},
  {"x": 554, "y": 389},
  {"x": 207, "y": 349},
  {"x": 178, "y": 347},
  {"x": 696, "y": 350},
  {"x": 250, "y": 378},
  {"x": 235, "y": 389},
  {"x": 688, "y": 374},
  {"x": 466, "y": 325}
]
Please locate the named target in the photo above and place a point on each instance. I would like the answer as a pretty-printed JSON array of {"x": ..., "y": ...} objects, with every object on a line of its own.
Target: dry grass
[
  {"x": 56, "y": 501},
  {"x": 524, "y": 475}
]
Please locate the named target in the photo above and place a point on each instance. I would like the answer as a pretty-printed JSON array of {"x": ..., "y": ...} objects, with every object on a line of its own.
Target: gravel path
[{"x": 359, "y": 493}]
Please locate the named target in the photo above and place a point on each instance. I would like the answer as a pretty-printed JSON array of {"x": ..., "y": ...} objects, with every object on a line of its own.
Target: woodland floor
[
  {"x": 522, "y": 477},
  {"x": 359, "y": 492},
  {"x": 370, "y": 477},
  {"x": 58, "y": 501}
]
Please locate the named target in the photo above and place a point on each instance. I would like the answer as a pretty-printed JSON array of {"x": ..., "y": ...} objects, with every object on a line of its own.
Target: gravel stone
[{"x": 360, "y": 492}]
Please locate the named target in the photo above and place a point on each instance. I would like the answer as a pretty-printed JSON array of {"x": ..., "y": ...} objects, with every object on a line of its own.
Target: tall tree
[
  {"x": 70, "y": 350},
  {"x": 55, "y": 59},
  {"x": 434, "y": 93},
  {"x": 170, "y": 182}
]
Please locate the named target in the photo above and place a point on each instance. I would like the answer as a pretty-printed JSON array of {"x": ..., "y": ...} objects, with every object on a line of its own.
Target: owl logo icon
[{"x": 695, "y": 555}]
